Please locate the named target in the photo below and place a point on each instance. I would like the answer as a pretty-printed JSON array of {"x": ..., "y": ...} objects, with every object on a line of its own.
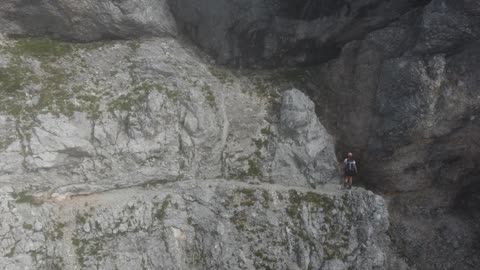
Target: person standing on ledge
[{"x": 350, "y": 168}]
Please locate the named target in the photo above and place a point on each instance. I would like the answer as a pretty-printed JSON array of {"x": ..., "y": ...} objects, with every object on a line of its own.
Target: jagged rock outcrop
[
  {"x": 197, "y": 225},
  {"x": 304, "y": 152}
]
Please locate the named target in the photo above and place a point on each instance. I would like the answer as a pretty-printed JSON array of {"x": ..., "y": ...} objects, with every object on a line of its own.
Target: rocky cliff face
[
  {"x": 86, "y": 20},
  {"x": 141, "y": 155},
  {"x": 396, "y": 81},
  {"x": 408, "y": 96},
  {"x": 124, "y": 113},
  {"x": 197, "y": 225}
]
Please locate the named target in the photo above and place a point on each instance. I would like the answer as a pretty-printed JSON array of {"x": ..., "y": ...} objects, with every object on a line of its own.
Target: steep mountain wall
[
  {"x": 124, "y": 113},
  {"x": 396, "y": 81},
  {"x": 197, "y": 225},
  {"x": 406, "y": 99},
  {"x": 401, "y": 92},
  {"x": 282, "y": 32},
  {"x": 141, "y": 155},
  {"x": 86, "y": 20}
]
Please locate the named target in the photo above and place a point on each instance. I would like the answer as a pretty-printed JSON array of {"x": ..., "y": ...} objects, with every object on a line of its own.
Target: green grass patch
[
  {"x": 41, "y": 48},
  {"x": 87, "y": 249},
  {"x": 209, "y": 96},
  {"x": 161, "y": 213},
  {"x": 254, "y": 168},
  {"x": 27, "y": 226},
  {"x": 248, "y": 196},
  {"x": 239, "y": 219},
  {"x": 24, "y": 197},
  {"x": 222, "y": 74},
  {"x": 266, "y": 199}
]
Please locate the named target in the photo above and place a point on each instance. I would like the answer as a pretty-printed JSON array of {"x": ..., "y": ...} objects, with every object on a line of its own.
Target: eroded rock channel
[{"x": 125, "y": 145}]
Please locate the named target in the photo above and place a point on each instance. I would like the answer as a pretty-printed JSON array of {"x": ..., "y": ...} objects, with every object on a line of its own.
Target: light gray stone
[
  {"x": 86, "y": 20},
  {"x": 304, "y": 154},
  {"x": 177, "y": 226}
]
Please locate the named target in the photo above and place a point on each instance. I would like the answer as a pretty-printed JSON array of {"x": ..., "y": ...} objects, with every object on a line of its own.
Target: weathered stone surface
[
  {"x": 91, "y": 134},
  {"x": 282, "y": 31},
  {"x": 116, "y": 113},
  {"x": 86, "y": 20},
  {"x": 305, "y": 151},
  {"x": 124, "y": 113},
  {"x": 236, "y": 32},
  {"x": 405, "y": 99},
  {"x": 196, "y": 225},
  {"x": 400, "y": 91}
]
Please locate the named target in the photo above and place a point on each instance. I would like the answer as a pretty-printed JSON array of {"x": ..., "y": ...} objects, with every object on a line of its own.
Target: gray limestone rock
[
  {"x": 400, "y": 89},
  {"x": 405, "y": 100},
  {"x": 196, "y": 225},
  {"x": 304, "y": 153},
  {"x": 114, "y": 114},
  {"x": 86, "y": 20},
  {"x": 125, "y": 113}
]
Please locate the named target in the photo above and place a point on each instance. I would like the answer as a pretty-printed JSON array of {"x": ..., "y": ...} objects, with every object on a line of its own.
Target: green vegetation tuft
[
  {"x": 41, "y": 48},
  {"x": 317, "y": 201},
  {"x": 254, "y": 168},
  {"x": 59, "y": 230},
  {"x": 239, "y": 219},
  {"x": 222, "y": 74},
  {"x": 266, "y": 199},
  {"x": 162, "y": 212},
  {"x": 82, "y": 218},
  {"x": 18, "y": 79},
  {"x": 27, "y": 226},
  {"x": 28, "y": 89},
  {"x": 259, "y": 143},
  {"x": 134, "y": 44},
  {"x": 266, "y": 131},
  {"x": 91, "y": 105},
  {"x": 86, "y": 249},
  {"x": 264, "y": 261},
  {"x": 248, "y": 196},
  {"x": 23, "y": 197},
  {"x": 13, "y": 78},
  {"x": 209, "y": 96}
]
